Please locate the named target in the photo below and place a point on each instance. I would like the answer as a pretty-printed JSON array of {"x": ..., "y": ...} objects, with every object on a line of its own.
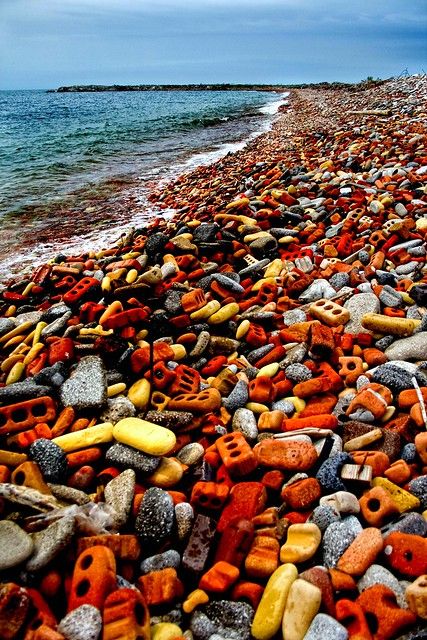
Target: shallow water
[{"x": 63, "y": 152}]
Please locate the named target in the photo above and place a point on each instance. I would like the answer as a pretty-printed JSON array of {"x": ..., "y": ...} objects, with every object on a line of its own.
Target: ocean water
[{"x": 60, "y": 152}]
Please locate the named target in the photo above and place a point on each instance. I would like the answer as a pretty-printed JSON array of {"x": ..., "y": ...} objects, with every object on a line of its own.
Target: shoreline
[
  {"x": 81, "y": 217},
  {"x": 231, "y": 403}
]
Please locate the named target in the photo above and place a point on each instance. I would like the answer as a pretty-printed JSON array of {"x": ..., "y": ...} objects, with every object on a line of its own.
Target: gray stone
[
  {"x": 56, "y": 328},
  {"x": 117, "y": 409},
  {"x": 6, "y": 325},
  {"x": 156, "y": 516},
  {"x": 68, "y": 494},
  {"x": 337, "y": 538},
  {"x": 358, "y": 305},
  {"x": 325, "y": 627},
  {"x": 25, "y": 390},
  {"x": 377, "y": 574},
  {"x": 87, "y": 386},
  {"x": 184, "y": 515},
  {"x": 83, "y": 623},
  {"x": 170, "y": 558},
  {"x": 323, "y": 516},
  {"x": 293, "y": 316},
  {"x": 50, "y": 458},
  {"x": 317, "y": 290},
  {"x": 119, "y": 495},
  {"x": 128, "y": 457},
  {"x": 30, "y": 316},
  {"x": 244, "y": 421},
  {"x": 237, "y": 398},
  {"x": 192, "y": 454},
  {"x": 298, "y": 372},
  {"x": 51, "y": 541},
  {"x": 16, "y": 545},
  {"x": 411, "y": 348}
]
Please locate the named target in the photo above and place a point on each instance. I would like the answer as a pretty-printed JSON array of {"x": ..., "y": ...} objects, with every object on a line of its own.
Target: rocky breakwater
[{"x": 216, "y": 429}]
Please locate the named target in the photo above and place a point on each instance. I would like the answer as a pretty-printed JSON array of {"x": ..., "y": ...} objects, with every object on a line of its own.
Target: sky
[{"x": 48, "y": 43}]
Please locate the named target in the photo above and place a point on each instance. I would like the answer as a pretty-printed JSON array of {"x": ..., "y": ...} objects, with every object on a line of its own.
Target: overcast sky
[{"x": 47, "y": 43}]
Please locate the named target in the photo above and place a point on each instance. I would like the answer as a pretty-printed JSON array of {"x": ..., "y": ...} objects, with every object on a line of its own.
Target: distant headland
[{"x": 92, "y": 88}]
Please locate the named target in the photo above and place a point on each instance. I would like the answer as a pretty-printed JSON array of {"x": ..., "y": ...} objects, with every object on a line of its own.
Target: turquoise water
[{"x": 57, "y": 146}]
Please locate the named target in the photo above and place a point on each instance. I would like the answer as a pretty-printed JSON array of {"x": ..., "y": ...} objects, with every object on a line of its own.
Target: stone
[
  {"x": 358, "y": 306},
  {"x": 324, "y": 626},
  {"x": 51, "y": 460},
  {"x": 411, "y": 348},
  {"x": 170, "y": 558},
  {"x": 337, "y": 538},
  {"x": 51, "y": 541},
  {"x": 119, "y": 493},
  {"x": 84, "y": 623},
  {"x": 16, "y": 545},
  {"x": 124, "y": 456},
  {"x": 156, "y": 516},
  {"x": 87, "y": 386}
]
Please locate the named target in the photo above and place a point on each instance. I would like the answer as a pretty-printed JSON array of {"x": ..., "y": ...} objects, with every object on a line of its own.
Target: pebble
[
  {"x": 220, "y": 296},
  {"x": 50, "y": 458},
  {"x": 155, "y": 518},
  {"x": 16, "y": 545},
  {"x": 127, "y": 457},
  {"x": 117, "y": 409},
  {"x": 84, "y": 623},
  {"x": 50, "y": 542},
  {"x": 324, "y": 626},
  {"x": 411, "y": 348},
  {"x": 245, "y": 422},
  {"x": 358, "y": 306},
  {"x": 337, "y": 538},
  {"x": 170, "y": 558},
  {"x": 87, "y": 387},
  {"x": 118, "y": 494}
]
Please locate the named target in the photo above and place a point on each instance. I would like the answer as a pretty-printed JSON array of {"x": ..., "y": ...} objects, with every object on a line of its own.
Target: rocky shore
[{"x": 215, "y": 429}]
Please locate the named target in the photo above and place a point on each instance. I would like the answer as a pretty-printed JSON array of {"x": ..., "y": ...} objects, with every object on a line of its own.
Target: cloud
[{"x": 71, "y": 41}]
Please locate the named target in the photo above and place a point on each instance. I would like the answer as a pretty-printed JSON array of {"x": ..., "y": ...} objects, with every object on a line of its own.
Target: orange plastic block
[
  {"x": 289, "y": 455},
  {"x": 361, "y": 553},
  {"x": 94, "y": 578},
  {"x": 377, "y": 506},
  {"x": 161, "y": 587},
  {"x": 406, "y": 399},
  {"x": 421, "y": 445},
  {"x": 302, "y": 494},
  {"x": 378, "y": 460},
  {"x": 40, "y": 613},
  {"x": 187, "y": 380},
  {"x": 126, "y": 616},
  {"x": 261, "y": 390},
  {"x": 399, "y": 472},
  {"x": 14, "y": 604},
  {"x": 387, "y": 618},
  {"x": 351, "y": 615},
  {"x": 220, "y": 577},
  {"x": 193, "y": 300},
  {"x": 406, "y": 553},
  {"x": 325, "y": 421},
  {"x": 236, "y": 454},
  {"x": 263, "y": 557},
  {"x": 209, "y": 495},
  {"x": 248, "y": 592},
  {"x": 247, "y": 499},
  {"x": 235, "y": 542},
  {"x": 125, "y": 546},
  {"x": 25, "y": 415},
  {"x": 318, "y": 405}
]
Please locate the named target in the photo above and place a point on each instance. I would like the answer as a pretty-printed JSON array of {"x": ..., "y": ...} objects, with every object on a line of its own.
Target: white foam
[{"x": 273, "y": 107}]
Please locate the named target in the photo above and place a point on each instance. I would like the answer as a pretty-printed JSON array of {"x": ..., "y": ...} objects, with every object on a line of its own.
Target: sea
[{"x": 70, "y": 163}]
